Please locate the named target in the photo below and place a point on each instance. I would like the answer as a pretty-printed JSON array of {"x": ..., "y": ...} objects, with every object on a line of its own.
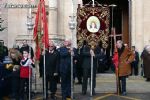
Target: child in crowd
[{"x": 25, "y": 73}]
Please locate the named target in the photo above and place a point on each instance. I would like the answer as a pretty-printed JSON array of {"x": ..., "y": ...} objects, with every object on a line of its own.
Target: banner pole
[
  {"x": 44, "y": 77},
  {"x": 91, "y": 93}
]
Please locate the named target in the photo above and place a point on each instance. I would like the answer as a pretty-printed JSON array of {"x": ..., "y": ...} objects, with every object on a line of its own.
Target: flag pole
[
  {"x": 44, "y": 44},
  {"x": 72, "y": 27},
  {"x": 91, "y": 92},
  {"x": 29, "y": 27},
  {"x": 44, "y": 76}
]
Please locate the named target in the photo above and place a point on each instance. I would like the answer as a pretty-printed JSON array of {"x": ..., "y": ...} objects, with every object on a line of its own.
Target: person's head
[
  {"x": 1, "y": 44},
  {"x": 93, "y": 24},
  {"x": 25, "y": 54},
  {"x": 24, "y": 42},
  {"x": 119, "y": 44},
  {"x": 67, "y": 43},
  {"x": 147, "y": 48},
  {"x": 133, "y": 48},
  {"x": 51, "y": 46},
  {"x": 85, "y": 42}
]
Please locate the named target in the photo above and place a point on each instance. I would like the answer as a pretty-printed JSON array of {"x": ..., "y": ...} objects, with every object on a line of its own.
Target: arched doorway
[{"x": 119, "y": 18}]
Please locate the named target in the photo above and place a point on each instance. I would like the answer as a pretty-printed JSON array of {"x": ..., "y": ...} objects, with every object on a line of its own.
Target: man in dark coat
[
  {"x": 146, "y": 62},
  {"x": 86, "y": 53},
  {"x": 65, "y": 70},
  {"x": 51, "y": 70},
  {"x": 25, "y": 46},
  {"x": 100, "y": 58},
  {"x": 135, "y": 63},
  {"x": 79, "y": 66}
]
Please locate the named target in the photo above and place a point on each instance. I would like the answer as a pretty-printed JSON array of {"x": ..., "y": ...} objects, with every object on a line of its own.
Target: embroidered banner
[{"x": 93, "y": 25}]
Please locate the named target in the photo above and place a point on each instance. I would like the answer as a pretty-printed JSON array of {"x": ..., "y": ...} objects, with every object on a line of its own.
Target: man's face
[
  {"x": 67, "y": 43},
  {"x": 51, "y": 47},
  {"x": 119, "y": 44},
  {"x": 24, "y": 42}
]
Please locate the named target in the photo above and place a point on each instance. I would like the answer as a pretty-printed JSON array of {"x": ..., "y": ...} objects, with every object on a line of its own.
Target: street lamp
[
  {"x": 72, "y": 26},
  {"x": 30, "y": 23},
  {"x": 112, "y": 23}
]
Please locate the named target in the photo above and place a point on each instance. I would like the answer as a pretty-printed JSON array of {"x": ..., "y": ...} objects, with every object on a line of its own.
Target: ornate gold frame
[{"x": 103, "y": 14}]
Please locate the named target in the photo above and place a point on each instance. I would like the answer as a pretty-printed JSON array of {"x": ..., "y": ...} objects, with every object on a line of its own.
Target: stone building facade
[{"x": 15, "y": 20}]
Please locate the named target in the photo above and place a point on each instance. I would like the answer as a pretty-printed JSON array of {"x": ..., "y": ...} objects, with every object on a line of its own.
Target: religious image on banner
[{"x": 93, "y": 25}]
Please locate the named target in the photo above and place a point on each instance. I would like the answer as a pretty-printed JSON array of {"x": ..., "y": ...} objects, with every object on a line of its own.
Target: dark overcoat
[
  {"x": 146, "y": 63},
  {"x": 65, "y": 60}
]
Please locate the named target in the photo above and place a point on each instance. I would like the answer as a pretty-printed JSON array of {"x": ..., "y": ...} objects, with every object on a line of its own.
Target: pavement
[{"x": 137, "y": 89}]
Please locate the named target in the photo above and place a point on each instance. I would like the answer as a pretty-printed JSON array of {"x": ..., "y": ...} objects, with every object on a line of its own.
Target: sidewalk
[{"x": 137, "y": 89}]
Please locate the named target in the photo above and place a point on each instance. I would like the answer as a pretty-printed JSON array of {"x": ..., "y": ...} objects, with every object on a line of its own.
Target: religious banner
[{"x": 93, "y": 25}]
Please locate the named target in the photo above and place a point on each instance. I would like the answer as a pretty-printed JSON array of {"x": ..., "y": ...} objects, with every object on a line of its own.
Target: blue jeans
[{"x": 122, "y": 81}]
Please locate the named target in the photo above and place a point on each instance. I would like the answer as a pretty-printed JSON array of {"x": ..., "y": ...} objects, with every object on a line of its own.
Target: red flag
[
  {"x": 41, "y": 21},
  {"x": 35, "y": 33},
  {"x": 45, "y": 38}
]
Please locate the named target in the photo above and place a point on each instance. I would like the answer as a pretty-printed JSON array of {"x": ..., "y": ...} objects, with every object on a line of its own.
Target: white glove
[{"x": 55, "y": 74}]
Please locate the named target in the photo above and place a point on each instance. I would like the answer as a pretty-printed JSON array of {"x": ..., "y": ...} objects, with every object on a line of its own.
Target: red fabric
[
  {"x": 36, "y": 23},
  {"x": 35, "y": 35},
  {"x": 41, "y": 20},
  {"x": 115, "y": 56},
  {"x": 45, "y": 38},
  {"x": 116, "y": 59},
  {"x": 24, "y": 72}
]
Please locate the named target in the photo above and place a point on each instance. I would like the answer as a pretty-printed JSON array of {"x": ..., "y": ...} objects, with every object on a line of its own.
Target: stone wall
[
  {"x": 4, "y": 22},
  {"x": 17, "y": 19}
]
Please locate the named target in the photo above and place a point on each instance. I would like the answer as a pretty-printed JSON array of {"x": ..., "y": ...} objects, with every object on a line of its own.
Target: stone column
[
  {"x": 52, "y": 17},
  {"x": 137, "y": 24},
  {"x": 61, "y": 16},
  {"x": 146, "y": 22},
  {"x": 55, "y": 20}
]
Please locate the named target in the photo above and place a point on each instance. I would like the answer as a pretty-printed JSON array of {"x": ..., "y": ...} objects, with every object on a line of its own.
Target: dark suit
[
  {"x": 51, "y": 67},
  {"x": 101, "y": 59},
  {"x": 86, "y": 65},
  {"x": 135, "y": 63},
  {"x": 79, "y": 66}
]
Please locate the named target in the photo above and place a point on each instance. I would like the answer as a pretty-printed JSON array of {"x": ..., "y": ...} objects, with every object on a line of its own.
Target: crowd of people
[{"x": 16, "y": 66}]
